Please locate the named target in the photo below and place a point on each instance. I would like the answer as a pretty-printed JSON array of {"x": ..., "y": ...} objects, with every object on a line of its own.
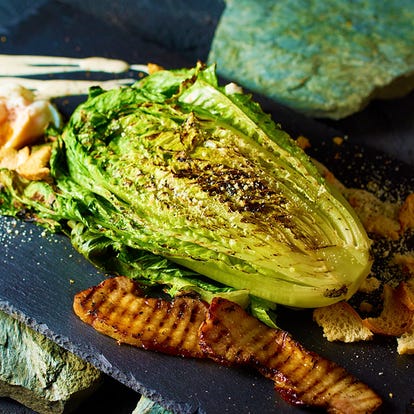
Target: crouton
[
  {"x": 406, "y": 214},
  {"x": 395, "y": 318},
  {"x": 405, "y": 261},
  {"x": 405, "y": 343},
  {"x": 369, "y": 285},
  {"x": 378, "y": 217},
  {"x": 405, "y": 293},
  {"x": 340, "y": 322},
  {"x": 36, "y": 166}
]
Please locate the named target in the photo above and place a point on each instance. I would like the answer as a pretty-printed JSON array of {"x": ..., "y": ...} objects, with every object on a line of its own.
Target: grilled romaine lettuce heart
[{"x": 176, "y": 166}]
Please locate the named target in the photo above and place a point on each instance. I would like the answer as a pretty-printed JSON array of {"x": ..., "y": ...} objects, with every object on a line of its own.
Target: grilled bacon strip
[
  {"x": 225, "y": 333},
  {"x": 230, "y": 335},
  {"x": 118, "y": 308}
]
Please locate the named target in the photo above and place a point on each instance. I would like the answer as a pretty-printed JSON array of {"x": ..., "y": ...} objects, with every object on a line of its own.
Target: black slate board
[{"x": 40, "y": 273}]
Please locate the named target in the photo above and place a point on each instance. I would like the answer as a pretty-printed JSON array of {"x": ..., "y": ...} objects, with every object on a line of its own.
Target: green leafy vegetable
[{"x": 176, "y": 181}]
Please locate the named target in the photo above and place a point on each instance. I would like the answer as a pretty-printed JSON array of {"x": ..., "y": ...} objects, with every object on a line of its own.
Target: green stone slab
[
  {"x": 147, "y": 406},
  {"x": 38, "y": 373},
  {"x": 324, "y": 58}
]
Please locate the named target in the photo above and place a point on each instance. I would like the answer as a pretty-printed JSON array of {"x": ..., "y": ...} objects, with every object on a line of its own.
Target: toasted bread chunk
[
  {"x": 153, "y": 67},
  {"x": 118, "y": 308},
  {"x": 405, "y": 261},
  {"x": 405, "y": 292},
  {"x": 406, "y": 343},
  {"x": 340, "y": 322},
  {"x": 31, "y": 163},
  {"x": 369, "y": 285},
  {"x": 301, "y": 377},
  {"x": 395, "y": 318},
  {"x": 12, "y": 159},
  {"x": 36, "y": 166},
  {"x": 406, "y": 213},
  {"x": 378, "y": 217}
]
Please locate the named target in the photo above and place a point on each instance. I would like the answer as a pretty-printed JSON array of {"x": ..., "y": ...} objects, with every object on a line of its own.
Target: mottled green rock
[
  {"x": 324, "y": 58},
  {"x": 148, "y": 406},
  {"x": 38, "y": 373}
]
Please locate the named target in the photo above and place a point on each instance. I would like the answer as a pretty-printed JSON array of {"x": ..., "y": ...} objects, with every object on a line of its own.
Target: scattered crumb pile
[
  {"x": 341, "y": 322},
  {"x": 390, "y": 224}
]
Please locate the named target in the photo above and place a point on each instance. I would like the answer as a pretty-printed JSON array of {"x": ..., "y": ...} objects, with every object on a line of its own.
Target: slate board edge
[{"x": 99, "y": 363}]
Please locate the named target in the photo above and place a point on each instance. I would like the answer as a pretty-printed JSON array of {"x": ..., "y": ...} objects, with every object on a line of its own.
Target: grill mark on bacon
[
  {"x": 225, "y": 333},
  {"x": 301, "y": 377},
  {"x": 117, "y": 308}
]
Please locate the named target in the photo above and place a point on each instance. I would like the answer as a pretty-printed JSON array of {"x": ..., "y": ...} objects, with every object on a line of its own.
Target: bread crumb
[
  {"x": 405, "y": 343},
  {"x": 369, "y": 285},
  {"x": 406, "y": 214},
  {"x": 365, "y": 307},
  {"x": 338, "y": 140},
  {"x": 303, "y": 142},
  {"x": 405, "y": 292},
  {"x": 153, "y": 67},
  {"x": 405, "y": 261}
]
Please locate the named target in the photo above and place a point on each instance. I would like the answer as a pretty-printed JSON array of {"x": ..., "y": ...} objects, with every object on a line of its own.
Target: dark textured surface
[
  {"x": 386, "y": 125},
  {"x": 180, "y": 26},
  {"x": 40, "y": 273}
]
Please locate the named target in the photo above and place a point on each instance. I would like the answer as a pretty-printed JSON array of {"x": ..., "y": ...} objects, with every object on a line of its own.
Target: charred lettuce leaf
[
  {"x": 181, "y": 182},
  {"x": 178, "y": 167}
]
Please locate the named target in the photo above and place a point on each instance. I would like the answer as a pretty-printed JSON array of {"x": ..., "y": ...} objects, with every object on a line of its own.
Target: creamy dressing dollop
[{"x": 16, "y": 69}]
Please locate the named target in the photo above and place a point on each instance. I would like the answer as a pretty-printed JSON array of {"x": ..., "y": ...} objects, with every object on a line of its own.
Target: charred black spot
[
  {"x": 194, "y": 314},
  {"x": 336, "y": 293},
  {"x": 242, "y": 190},
  {"x": 181, "y": 310}
]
